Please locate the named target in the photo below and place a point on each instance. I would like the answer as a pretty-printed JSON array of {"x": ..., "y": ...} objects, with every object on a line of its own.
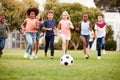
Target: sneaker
[
  {"x": 103, "y": 51},
  {"x": 45, "y": 54},
  {"x": 99, "y": 57},
  {"x": 26, "y": 55},
  {"x": 31, "y": 57},
  {"x": 33, "y": 54},
  {"x": 36, "y": 56},
  {"x": 86, "y": 56},
  {"x": 52, "y": 57}
]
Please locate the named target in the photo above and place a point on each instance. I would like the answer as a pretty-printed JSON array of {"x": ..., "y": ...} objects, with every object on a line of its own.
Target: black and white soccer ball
[{"x": 66, "y": 60}]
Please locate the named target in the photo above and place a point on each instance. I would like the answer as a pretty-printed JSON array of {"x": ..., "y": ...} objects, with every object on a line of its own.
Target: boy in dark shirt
[{"x": 49, "y": 26}]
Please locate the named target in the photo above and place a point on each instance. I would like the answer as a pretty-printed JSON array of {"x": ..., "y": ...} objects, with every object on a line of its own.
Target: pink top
[
  {"x": 30, "y": 25},
  {"x": 65, "y": 27}
]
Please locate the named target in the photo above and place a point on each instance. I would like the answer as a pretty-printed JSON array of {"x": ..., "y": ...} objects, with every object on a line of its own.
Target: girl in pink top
[
  {"x": 30, "y": 27},
  {"x": 65, "y": 25}
]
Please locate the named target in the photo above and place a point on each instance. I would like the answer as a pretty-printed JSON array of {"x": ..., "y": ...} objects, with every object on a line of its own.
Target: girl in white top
[
  {"x": 65, "y": 24},
  {"x": 85, "y": 27},
  {"x": 100, "y": 33}
]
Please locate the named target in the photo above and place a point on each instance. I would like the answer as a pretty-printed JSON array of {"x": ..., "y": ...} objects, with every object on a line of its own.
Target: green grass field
[{"x": 14, "y": 67}]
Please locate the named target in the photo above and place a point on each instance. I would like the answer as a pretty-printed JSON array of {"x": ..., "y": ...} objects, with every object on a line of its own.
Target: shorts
[
  {"x": 85, "y": 36},
  {"x": 38, "y": 36},
  {"x": 65, "y": 37}
]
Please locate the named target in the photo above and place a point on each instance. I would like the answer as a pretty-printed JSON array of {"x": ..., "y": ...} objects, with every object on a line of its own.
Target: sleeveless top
[{"x": 85, "y": 28}]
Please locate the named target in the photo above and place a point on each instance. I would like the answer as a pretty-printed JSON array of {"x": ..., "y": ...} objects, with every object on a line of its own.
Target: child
[
  {"x": 100, "y": 33},
  {"x": 85, "y": 26},
  {"x": 3, "y": 33},
  {"x": 30, "y": 26},
  {"x": 38, "y": 17},
  {"x": 49, "y": 26},
  {"x": 91, "y": 38},
  {"x": 65, "y": 24}
]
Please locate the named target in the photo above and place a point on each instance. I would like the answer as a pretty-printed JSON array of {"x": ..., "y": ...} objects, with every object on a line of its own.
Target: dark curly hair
[{"x": 32, "y": 10}]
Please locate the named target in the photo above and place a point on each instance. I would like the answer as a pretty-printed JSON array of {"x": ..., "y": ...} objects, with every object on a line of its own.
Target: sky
[{"x": 88, "y": 3}]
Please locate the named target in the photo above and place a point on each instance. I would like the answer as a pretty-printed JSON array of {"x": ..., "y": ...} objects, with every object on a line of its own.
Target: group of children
[{"x": 32, "y": 26}]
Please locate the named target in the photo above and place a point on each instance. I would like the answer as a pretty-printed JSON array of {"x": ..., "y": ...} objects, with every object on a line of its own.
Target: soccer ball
[{"x": 66, "y": 60}]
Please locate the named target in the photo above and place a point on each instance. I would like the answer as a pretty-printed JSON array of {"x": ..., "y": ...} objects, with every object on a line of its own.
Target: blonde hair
[{"x": 65, "y": 12}]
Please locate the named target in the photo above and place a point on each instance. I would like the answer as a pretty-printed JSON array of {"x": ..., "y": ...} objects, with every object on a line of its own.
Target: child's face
[
  {"x": 85, "y": 17},
  {"x": 64, "y": 16},
  {"x": 32, "y": 15},
  {"x": 2, "y": 19},
  {"x": 50, "y": 16},
  {"x": 100, "y": 18}
]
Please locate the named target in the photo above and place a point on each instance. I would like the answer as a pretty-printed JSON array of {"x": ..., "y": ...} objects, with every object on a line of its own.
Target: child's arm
[
  {"x": 23, "y": 25},
  {"x": 71, "y": 25},
  {"x": 58, "y": 27},
  {"x": 95, "y": 31},
  {"x": 79, "y": 25},
  {"x": 44, "y": 29},
  {"x": 90, "y": 28}
]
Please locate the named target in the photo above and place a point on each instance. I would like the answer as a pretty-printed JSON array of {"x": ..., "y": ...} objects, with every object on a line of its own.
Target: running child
[
  {"x": 49, "y": 27},
  {"x": 30, "y": 26},
  {"x": 65, "y": 25},
  {"x": 3, "y": 33},
  {"x": 85, "y": 26},
  {"x": 100, "y": 33}
]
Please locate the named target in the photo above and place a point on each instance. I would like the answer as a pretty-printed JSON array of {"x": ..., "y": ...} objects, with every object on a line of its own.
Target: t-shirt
[
  {"x": 3, "y": 30},
  {"x": 65, "y": 27},
  {"x": 85, "y": 28},
  {"x": 49, "y": 24},
  {"x": 100, "y": 27},
  {"x": 30, "y": 25}
]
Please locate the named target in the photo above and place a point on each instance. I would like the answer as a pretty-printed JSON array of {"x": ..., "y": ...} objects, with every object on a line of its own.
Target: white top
[
  {"x": 100, "y": 31},
  {"x": 91, "y": 35},
  {"x": 85, "y": 28}
]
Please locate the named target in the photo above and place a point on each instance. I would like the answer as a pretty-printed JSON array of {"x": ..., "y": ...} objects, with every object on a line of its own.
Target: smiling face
[
  {"x": 50, "y": 16},
  {"x": 85, "y": 17},
  {"x": 32, "y": 15},
  {"x": 100, "y": 19},
  {"x": 65, "y": 15}
]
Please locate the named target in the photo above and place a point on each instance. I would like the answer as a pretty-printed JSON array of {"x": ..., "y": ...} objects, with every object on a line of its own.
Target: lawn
[{"x": 14, "y": 67}]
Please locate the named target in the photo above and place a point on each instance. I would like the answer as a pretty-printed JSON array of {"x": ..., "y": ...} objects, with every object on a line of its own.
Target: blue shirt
[{"x": 49, "y": 24}]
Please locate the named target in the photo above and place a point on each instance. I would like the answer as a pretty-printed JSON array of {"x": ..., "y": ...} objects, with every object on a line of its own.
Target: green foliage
[
  {"x": 58, "y": 45},
  {"x": 109, "y": 35},
  {"x": 111, "y": 45}
]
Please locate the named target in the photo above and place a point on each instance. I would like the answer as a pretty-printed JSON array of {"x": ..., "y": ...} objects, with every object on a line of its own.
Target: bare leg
[
  {"x": 63, "y": 46},
  {"x": 67, "y": 42}
]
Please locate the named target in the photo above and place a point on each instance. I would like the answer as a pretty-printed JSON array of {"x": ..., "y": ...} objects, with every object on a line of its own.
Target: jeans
[
  {"x": 100, "y": 45},
  {"x": 49, "y": 40},
  {"x": 2, "y": 43},
  {"x": 30, "y": 39},
  {"x": 90, "y": 44}
]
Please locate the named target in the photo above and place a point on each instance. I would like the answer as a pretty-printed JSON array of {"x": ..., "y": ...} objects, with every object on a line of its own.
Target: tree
[
  {"x": 75, "y": 10},
  {"x": 108, "y": 5}
]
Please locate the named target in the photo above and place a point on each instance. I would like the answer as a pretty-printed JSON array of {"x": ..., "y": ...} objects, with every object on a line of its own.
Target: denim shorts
[
  {"x": 85, "y": 36},
  {"x": 38, "y": 35}
]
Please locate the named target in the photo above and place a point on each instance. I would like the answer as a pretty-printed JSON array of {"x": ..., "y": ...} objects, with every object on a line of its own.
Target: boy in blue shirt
[{"x": 49, "y": 26}]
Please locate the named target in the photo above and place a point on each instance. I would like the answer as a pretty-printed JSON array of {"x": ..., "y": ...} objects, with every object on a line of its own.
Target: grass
[{"x": 14, "y": 67}]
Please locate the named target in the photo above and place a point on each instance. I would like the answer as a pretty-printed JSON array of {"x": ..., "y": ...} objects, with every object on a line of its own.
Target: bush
[
  {"x": 58, "y": 45},
  {"x": 111, "y": 45}
]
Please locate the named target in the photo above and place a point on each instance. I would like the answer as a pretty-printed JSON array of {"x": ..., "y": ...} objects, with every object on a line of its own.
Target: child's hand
[{"x": 49, "y": 29}]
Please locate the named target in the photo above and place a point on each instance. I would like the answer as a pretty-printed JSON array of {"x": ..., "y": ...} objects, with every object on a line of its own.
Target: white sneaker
[
  {"x": 31, "y": 57},
  {"x": 35, "y": 56},
  {"x": 103, "y": 52},
  {"x": 99, "y": 57},
  {"x": 26, "y": 55}
]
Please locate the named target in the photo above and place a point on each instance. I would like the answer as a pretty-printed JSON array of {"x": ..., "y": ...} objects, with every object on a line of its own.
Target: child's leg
[
  {"x": 99, "y": 46},
  {"x": 84, "y": 45},
  {"x": 36, "y": 47},
  {"x": 103, "y": 43},
  {"x": 52, "y": 45},
  {"x": 29, "y": 44},
  {"x": 46, "y": 44},
  {"x": 67, "y": 42},
  {"x": 63, "y": 45}
]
